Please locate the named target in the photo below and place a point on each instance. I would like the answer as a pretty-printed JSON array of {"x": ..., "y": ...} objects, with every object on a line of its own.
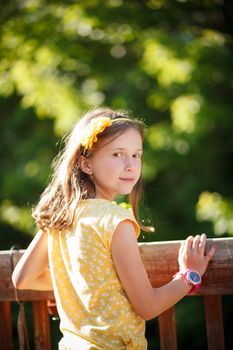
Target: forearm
[
  {"x": 30, "y": 272},
  {"x": 168, "y": 295},
  {"x": 154, "y": 301}
]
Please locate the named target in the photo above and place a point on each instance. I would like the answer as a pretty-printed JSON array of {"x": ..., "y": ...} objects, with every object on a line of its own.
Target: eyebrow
[{"x": 123, "y": 149}]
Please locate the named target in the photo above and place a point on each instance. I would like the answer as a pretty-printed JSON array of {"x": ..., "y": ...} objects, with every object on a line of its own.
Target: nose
[{"x": 129, "y": 164}]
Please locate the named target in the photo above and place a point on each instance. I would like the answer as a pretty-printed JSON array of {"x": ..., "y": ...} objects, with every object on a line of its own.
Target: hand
[{"x": 191, "y": 254}]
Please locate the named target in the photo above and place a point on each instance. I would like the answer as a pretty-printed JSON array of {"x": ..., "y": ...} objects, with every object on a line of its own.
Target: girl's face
[{"x": 116, "y": 166}]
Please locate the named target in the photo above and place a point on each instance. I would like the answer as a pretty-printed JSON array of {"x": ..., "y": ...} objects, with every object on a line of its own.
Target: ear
[{"x": 85, "y": 165}]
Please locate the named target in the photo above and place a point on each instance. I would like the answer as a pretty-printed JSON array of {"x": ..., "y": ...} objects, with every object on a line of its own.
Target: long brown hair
[{"x": 57, "y": 205}]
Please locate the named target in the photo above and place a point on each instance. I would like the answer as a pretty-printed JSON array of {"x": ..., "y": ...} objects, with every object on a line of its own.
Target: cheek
[
  {"x": 139, "y": 172},
  {"x": 139, "y": 169},
  {"x": 138, "y": 165},
  {"x": 114, "y": 167},
  {"x": 107, "y": 167},
  {"x": 114, "y": 163}
]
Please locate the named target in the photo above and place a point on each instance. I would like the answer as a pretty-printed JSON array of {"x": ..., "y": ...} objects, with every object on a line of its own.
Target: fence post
[
  {"x": 41, "y": 325},
  {"x": 6, "y": 339}
]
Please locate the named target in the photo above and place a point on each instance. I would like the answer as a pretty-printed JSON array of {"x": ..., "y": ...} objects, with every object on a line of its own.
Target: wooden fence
[{"x": 160, "y": 260}]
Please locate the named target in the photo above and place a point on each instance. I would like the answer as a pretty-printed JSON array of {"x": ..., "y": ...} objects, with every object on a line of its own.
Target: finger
[
  {"x": 181, "y": 247},
  {"x": 202, "y": 244},
  {"x": 196, "y": 241},
  {"x": 188, "y": 243},
  {"x": 211, "y": 253}
]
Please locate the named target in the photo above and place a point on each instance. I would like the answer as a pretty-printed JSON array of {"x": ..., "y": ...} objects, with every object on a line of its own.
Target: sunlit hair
[{"x": 57, "y": 206}]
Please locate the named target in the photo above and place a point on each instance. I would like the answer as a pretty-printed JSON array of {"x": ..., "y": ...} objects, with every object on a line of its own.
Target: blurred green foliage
[{"x": 169, "y": 62}]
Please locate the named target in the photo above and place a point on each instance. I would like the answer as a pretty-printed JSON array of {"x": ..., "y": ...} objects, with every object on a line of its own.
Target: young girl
[{"x": 88, "y": 244}]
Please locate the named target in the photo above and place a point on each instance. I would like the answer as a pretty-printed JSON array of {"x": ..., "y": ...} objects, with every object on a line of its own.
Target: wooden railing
[{"x": 160, "y": 260}]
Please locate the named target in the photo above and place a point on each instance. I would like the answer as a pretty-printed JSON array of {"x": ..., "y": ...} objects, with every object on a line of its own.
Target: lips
[{"x": 126, "y": 179}]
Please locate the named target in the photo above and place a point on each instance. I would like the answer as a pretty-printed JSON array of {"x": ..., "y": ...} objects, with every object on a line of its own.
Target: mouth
[{"x": 127, "y": 179}]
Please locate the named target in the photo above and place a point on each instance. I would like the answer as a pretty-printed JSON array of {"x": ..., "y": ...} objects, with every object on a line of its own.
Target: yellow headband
[{"x": 96, "y": 127}]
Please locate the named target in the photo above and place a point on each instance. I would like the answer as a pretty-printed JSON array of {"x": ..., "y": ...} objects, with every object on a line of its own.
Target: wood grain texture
[
  {"x": 214, "y": 322},
  {"x": 160, "y": 260},
  {"x": 6, "y": 337},
  {"x": 42, "y": 336},
  {"x": 7, "y": 290},
  {"x": 167, "y": 330}
]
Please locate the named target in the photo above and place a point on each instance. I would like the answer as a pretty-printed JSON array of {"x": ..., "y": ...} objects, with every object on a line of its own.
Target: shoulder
[
  {"x": 109, "y": 215},
  {"x": 125, "y": 230}
]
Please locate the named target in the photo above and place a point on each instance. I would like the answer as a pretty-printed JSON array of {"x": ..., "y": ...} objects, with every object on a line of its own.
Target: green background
[{"x": 170, "y": 63}]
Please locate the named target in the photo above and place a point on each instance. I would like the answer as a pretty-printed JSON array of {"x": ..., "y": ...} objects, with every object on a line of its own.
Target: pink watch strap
[{"x": 183, "y": 274}]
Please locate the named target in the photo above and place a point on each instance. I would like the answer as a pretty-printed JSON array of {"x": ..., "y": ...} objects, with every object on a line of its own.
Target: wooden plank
[
  {"x": 160, "y": 260},
  {"x": 167, "y": 330},
  {"x": 214, "y": 322},
  {"x": 6, "y": 338},
  {"x": 7, "y": 291},
  {"x": 41, "y": 325}
]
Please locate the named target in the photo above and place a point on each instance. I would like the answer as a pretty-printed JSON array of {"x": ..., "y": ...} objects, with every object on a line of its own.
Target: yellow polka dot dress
[{"x": 94, "y": 310}]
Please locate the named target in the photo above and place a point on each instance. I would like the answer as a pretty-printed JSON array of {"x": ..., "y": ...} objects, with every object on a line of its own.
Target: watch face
[{"x": 194, "y": 277}]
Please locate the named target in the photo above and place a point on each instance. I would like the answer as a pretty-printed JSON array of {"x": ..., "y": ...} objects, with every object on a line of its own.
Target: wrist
[
  {"x": 181, "y": 282},
  {"x": 191, "y": 277}
]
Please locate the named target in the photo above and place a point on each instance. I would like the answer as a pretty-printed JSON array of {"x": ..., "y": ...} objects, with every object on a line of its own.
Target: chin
[{"x": 124, "y": 192}]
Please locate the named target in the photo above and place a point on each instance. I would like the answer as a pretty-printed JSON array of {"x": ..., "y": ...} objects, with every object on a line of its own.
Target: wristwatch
[{"x": 192, "y": 277}]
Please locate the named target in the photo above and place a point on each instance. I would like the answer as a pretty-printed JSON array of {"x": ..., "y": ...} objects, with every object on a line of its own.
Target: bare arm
[
  {"x": 32, "y": 270},
  {"x": 149, "y": 302}
]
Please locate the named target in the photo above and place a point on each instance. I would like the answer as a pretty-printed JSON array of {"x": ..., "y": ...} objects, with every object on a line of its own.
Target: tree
[{"x": 170, "y": 62}]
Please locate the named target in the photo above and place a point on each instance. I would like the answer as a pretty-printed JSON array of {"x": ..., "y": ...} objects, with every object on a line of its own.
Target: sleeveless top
[{"x": 95, "y": 313}]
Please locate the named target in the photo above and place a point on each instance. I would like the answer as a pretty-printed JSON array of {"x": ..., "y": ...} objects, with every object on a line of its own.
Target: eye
[
  {"x": 117, "y": 154},
  {"x": 137, "y": 155}
]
